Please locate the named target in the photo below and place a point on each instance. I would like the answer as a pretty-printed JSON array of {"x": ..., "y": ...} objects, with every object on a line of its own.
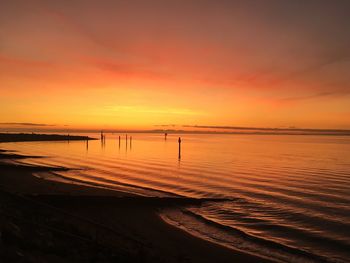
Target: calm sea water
[{"x": 288, "y": 197}]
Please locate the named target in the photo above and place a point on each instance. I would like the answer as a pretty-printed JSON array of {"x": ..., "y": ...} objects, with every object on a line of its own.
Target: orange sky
[{"x": 137, "y": 64}]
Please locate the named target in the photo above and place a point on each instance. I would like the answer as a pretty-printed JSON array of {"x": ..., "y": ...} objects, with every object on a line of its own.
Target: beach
[{"x": 50, "y": 221}]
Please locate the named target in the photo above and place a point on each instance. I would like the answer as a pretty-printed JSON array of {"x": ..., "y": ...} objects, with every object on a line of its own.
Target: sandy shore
[{"x": 47, "y": 221}]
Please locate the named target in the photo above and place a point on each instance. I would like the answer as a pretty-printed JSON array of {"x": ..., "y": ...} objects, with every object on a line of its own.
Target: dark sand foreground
[{"x": 47, "y": 221}]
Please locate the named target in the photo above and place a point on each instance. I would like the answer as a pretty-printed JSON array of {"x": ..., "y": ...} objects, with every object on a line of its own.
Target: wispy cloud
[
  {"x": 26, "y": 124},
  {"x": 328, "y": 61},
  {"x": 127, "y": 69},
  {"x": 165, "y": 125},
  {"x": 315, "y": 96},
  {"x": 150, "y": 110},
  {"x": 262, "y": 128}
]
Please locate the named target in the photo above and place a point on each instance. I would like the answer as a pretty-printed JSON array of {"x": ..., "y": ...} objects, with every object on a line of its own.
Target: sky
[{"x": 141, "y": 64}]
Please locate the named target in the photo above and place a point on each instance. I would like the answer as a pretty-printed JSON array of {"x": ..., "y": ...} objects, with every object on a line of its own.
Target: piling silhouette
[
  {"x": 119, "y": 141},
  {"x": 103, "y": 140},
  {"x": 165, "y": 135},
  {"x": 179, "y": 141}
]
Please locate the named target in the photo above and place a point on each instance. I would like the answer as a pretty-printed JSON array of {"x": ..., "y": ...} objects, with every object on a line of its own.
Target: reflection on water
[{"x": 292, "y": 190}]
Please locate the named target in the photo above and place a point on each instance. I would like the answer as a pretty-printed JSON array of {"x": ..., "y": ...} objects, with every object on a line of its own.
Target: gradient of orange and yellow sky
[{"x": 136, "y": 64}]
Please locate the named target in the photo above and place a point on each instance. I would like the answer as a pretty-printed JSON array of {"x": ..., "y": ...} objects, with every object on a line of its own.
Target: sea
[{"x": 282, "y": 197}]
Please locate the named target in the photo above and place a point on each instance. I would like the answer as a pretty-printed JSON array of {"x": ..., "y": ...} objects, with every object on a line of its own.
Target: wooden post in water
[
  {"x": 119, "y": 141},
  {"x": 179, "y": 147},
  {"x": 102, "y": 140},
  {"x": 165, "y": 135},
  {"x": 130, "y": 141}
]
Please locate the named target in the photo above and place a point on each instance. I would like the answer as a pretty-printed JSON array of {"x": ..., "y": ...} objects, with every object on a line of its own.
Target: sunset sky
[{"x": 137, "y": 64}]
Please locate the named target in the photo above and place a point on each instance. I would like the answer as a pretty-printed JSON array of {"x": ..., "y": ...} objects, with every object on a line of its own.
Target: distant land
[
  {"x": 25, "y": 137},
  {"x": 184, "y": 129}
]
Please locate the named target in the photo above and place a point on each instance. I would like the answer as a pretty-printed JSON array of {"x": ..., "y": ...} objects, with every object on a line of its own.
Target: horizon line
[{"x": 224, "y": 130}]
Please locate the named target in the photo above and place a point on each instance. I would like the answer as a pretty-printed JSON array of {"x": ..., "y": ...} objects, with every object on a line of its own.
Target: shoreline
[
  {"x": 130, "y": 217},
  {"x": 32, "y": 137}
]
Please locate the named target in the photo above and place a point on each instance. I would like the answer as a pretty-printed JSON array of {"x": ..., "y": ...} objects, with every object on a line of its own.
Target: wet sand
[{"x": 48, "y": 221}]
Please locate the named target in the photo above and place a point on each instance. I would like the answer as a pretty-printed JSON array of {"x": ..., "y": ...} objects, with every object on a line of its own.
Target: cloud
[
  {"x": 290, "y": 129},
  {"x": 128, "y": 69},
  {"x": 317, "y": 95},
  {"x": 225, "y": 127},
  {"x": 330, "y": 61},
  {"x": 165, "y": 125},
  {"x": 129, "y": 109},
  {"x": 26, "y": 124}
]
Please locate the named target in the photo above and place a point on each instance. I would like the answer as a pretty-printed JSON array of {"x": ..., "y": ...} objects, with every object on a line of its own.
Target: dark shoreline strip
[
  {"x": 28, "y": 137},
  {"x": 31, "y": 168},
  {"x": 16, "y": 156}
]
